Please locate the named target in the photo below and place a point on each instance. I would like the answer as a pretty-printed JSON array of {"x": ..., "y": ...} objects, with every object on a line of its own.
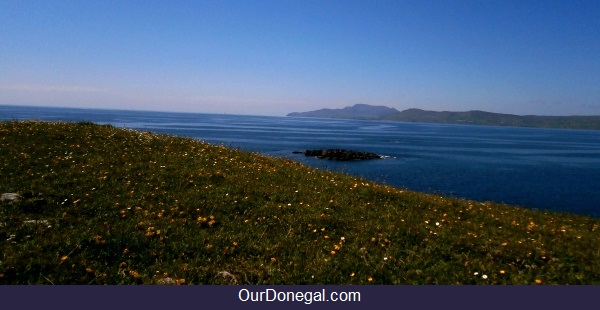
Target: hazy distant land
[{"x": 369, "y": 112}]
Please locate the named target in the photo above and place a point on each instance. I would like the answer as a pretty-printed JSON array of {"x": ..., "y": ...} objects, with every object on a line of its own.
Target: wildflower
[
  {"x": 475, "y": 273},
  {"x": 150, "y": 231},
  {"x": 502, "y": 271},
  {"x": 484, "y": 276},
  {"x": 343, "y": 239},
  {"x": 273, "y": 259},
  {"x": 352, "y": 274},
  {"x": 64, "y": 258},
  {"x": 538, "y": 281},
  {"x": 370, "y": 279}
]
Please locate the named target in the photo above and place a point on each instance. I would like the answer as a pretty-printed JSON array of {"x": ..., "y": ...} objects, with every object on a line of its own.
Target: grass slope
[{"x": 103, "y": 205}]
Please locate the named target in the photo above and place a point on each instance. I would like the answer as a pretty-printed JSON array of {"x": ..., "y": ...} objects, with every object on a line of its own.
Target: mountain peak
[{"x": 357, "y": 111}]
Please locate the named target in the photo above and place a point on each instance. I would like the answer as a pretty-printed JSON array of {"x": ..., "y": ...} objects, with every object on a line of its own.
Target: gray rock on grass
[{"x": 10, "y": 197}]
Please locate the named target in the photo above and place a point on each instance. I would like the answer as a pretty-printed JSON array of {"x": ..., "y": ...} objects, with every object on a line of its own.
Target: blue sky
[{"x": 276, "y": 57}]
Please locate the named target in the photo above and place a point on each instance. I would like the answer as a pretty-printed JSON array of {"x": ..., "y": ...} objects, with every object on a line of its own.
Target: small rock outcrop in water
[{"x": 338, "y": 154}]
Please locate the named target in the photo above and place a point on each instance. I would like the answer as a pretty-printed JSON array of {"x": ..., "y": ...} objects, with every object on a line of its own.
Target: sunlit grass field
[{"x": 106, "y": 205}]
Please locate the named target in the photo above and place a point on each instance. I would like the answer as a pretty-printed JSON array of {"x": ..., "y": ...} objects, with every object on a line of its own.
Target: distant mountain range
[
  {"x": 358, "y": 111},
  {"x": 369, "y": 112}
]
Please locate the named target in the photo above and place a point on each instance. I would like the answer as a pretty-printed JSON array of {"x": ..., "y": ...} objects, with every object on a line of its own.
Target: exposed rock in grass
[
  {"x": 228, "y": 275},
  {"x": 41, "y": 222},
  {"x": 165, "y": 281},
  {"x": 10, "y": 197}
]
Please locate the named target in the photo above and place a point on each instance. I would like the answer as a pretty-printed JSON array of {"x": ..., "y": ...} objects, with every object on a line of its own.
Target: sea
[{"x": 544, "y": 169}]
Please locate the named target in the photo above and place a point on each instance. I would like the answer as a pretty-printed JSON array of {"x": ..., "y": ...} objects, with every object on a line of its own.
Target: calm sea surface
[{"x": 535, "y": 168}]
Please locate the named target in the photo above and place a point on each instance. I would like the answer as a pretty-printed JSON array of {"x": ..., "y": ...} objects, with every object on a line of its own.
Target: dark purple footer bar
[{"x": 299, "y": 297}]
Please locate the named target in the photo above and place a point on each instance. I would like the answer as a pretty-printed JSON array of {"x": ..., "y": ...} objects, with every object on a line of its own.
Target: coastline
[{"x": 121, "y": 204}]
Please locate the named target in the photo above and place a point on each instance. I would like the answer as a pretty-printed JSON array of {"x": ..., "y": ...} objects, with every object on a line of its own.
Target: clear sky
[{"x": 275, "y": 57}]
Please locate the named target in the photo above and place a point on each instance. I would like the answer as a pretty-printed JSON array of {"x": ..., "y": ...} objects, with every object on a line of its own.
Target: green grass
[{"x": 117, "y": 206}]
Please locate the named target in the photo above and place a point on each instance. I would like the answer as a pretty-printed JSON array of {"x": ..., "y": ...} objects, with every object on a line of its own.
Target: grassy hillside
[{"x": 99, "y": 204}]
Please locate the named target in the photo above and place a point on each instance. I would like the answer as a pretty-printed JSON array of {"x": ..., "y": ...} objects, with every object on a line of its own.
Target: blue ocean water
[{"x": 535, "y": 168}]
